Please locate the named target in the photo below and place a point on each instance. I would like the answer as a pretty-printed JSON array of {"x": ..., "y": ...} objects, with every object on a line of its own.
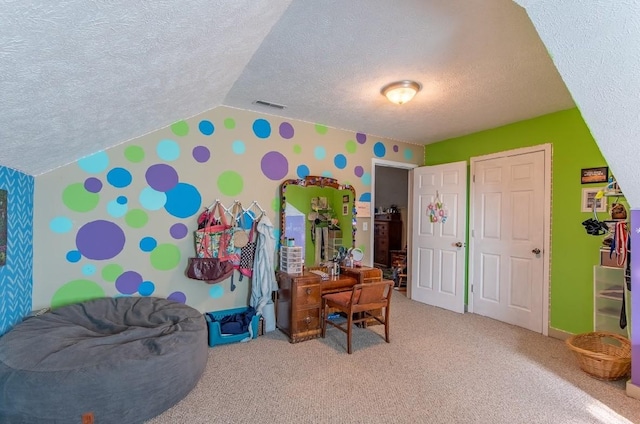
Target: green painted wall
[{"x": 573, "y": 252}]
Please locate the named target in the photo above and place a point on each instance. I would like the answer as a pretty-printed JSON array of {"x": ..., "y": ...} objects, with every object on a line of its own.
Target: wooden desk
[{"x": 299, "y": 301}]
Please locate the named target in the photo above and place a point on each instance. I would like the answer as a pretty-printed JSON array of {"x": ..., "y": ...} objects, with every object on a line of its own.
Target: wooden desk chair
[{"x": 362, "y": 300}]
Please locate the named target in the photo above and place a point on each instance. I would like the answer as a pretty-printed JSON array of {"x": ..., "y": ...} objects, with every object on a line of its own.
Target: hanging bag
[
  {"x": 240, "y": 236},
  {"x": 215, "y": 240},
  {"x": 209, "y": 269},
  {"x": 618, "y": 211}
]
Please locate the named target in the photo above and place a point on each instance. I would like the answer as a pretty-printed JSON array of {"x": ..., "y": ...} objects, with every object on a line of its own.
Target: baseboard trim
[
  {"x": 559, "y": 334},
  {"x": 633, "y": 390}
]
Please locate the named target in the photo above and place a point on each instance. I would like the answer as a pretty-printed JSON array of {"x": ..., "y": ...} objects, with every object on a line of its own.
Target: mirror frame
[{"x": 321, "y": 182}]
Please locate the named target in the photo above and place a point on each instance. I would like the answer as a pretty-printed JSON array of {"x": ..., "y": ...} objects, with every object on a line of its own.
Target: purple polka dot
[
  {"x": 178, "y": 231},
  {"x": 395, "y": 148},
  {"x": 286, "y": 130},
  {"x": 161, "y": 177},
  {"x": 100, "y": 240},
  {"x": 177, "y": 297},
  {"x": 93, "y": 185},
  {"x": 358, "y": 170},
  {"x": 201, "y": 154},
  {"x": 128, "y": 282},
  {"x": 274, "y": 166},
  {"x": 361, "y": 138}
]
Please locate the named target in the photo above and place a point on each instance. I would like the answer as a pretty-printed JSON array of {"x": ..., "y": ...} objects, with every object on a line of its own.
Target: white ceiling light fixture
[{"x": 401, "y": 92}]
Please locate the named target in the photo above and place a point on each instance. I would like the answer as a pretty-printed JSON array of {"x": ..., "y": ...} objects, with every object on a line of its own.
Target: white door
[
  {"x": 438, "y": 249},
  {"x": 508, "y": 232}
]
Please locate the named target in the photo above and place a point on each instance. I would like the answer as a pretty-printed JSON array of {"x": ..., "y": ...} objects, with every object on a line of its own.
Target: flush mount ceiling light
[{"x": 400, "y": 92}]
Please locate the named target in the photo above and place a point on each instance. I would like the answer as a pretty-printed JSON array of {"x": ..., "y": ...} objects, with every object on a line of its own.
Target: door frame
[
  {"x": 407, "y": 228},
  {"x": 546, "y": 258}
]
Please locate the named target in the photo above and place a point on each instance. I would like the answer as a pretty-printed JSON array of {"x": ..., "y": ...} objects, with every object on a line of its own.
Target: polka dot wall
[{"x": 120, "y": 222}]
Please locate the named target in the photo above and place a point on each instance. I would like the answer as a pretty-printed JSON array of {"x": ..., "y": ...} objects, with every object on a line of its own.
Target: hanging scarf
[{"x": 620, "y": 238}]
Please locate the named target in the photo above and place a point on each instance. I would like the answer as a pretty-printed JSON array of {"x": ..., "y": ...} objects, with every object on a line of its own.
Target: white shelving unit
[
  {"x": 609, "y": 285},
  {"x": 608, "y": 292},
  {"x": 291, "y": 259}
]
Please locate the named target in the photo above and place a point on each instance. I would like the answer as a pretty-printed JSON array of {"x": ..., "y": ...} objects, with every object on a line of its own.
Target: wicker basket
[{"x": 603, "y": 355}]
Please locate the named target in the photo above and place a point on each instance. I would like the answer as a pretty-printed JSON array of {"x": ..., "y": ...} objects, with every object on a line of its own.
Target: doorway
[{"x": 390, "y": 198}]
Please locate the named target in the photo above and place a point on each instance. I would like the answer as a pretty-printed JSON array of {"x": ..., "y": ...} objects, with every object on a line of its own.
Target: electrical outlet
[{"x": 365, "y": 226}]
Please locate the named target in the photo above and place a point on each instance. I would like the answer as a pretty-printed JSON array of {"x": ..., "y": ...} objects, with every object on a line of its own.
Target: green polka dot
[
  {"x": 229, "y": 123},
  {"x": 165, "y": 257},
  {"x": 180, "y": 128},
  {"x": 230, "y": 183},
  {"x": 275, "y": 204},
  {"x": 76, "y": 291},
  {"x": 136, "y": 218},
  {"x": 351, "y": 146},
  {"x": 321, "y": 129},
  {"x": 78, "y": 199},
  {"x": 134, "y": 154},
  {"x": 297, "y": 149},
  {"x": 363, "y": 247},
  {"x": 111, "y": 272}
]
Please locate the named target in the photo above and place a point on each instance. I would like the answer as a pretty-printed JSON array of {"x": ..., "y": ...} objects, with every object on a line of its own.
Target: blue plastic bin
[{"x": 215, "y": 335}]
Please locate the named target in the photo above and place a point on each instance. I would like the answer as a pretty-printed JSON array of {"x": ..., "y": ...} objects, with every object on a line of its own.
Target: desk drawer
[
  {"x": 381, "y": 230},
  {"x": 308, "y": 295},
  {"x": 307, "y": 320}
]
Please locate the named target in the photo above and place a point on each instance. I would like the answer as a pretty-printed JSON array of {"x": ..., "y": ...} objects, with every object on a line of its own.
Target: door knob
[
  {"x": 536, "y": 251},
  {"x": 458, "y": 244}
]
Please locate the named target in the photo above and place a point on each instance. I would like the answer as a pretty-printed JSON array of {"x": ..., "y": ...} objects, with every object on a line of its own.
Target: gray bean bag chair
[{"x": 111, "y": 360}]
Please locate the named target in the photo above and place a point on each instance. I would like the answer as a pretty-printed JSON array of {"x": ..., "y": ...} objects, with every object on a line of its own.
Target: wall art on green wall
[
  {"x": 594, "y": 175},
  {"x": 3, "y": 227}
]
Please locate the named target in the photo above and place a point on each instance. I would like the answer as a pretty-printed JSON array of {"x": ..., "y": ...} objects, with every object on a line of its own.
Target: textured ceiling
[{"x": 81, "y": 76}]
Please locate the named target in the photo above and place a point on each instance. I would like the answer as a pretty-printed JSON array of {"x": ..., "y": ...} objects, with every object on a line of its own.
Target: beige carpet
[{"x": 440, "y": 367}]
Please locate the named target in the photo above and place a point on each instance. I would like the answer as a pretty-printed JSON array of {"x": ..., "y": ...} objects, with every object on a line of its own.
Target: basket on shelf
[{"x": 603, "y": 355}]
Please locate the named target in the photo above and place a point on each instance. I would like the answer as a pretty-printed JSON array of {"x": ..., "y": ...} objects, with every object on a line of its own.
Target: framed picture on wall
[
  {"x": 589, "y": 199},
  {"x": 594, "y": 175}
]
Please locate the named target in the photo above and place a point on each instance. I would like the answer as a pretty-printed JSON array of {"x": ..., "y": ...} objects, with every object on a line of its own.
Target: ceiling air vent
[{"x": 268, "y": 104}]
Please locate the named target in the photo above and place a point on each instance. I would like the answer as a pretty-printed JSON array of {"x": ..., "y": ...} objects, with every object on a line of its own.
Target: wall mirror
[{"x": 319, "y": 214}]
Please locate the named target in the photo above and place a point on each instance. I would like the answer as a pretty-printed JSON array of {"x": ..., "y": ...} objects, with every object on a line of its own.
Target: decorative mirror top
[{"x": 318, "y": 213}]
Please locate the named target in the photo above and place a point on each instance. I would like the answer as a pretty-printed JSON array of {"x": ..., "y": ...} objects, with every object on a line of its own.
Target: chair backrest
[{"x": 369, "y": 296}]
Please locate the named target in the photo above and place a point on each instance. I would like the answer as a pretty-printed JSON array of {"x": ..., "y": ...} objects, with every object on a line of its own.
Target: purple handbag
[{"x": 209, "y": 270}]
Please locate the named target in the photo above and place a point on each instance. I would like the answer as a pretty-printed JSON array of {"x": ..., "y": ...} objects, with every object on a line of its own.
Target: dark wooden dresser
[{"x": 387, "y": 236}]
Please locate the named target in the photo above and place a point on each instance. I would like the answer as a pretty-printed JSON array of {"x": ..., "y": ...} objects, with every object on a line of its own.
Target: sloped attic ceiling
[{"x": 81, "y": 76}]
